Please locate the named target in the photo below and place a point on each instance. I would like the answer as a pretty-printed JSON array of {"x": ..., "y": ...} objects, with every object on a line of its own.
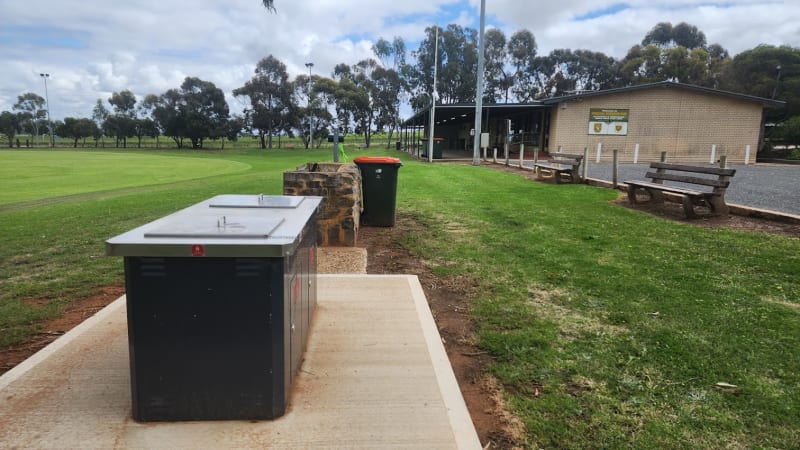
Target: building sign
[{"x": 608, "y": 121}]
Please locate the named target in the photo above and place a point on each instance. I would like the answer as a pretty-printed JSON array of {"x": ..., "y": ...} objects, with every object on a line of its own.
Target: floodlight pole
[
  {"x": 433, "y": 96},
  {"x": 476, "y": 161},
  {"x": 310, "y": 119},
  {"x": 47, "y": 99}
]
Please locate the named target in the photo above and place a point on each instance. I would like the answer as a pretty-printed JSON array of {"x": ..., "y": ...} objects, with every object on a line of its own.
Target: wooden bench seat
[
  {"x": 690, "y": 197},
  {"x": 562, "y": 164}
]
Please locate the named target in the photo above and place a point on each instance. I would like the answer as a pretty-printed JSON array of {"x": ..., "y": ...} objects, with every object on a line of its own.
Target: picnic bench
[
  {"x": 717, "y": 178},
  {"x": 561, "y": 164}
]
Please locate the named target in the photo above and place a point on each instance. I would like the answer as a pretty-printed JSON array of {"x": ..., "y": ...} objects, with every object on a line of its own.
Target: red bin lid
[{"x": 377, "y": 160}]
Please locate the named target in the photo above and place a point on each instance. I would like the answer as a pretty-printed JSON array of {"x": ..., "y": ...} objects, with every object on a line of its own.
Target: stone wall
[{"x": 340, "y": 187}]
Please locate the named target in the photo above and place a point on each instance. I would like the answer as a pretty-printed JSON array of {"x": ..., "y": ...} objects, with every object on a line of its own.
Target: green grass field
[
  {"x": 63, "y": 173},
  {"x": 609, "y": 328}
]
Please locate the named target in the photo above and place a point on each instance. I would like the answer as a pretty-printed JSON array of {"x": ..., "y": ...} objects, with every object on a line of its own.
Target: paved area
[
  {"x": 775, "y": 187},
  {"x": 375, "y": 376}
]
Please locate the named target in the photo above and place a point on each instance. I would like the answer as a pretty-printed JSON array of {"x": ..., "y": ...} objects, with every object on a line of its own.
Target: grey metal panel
[
  {"x": 256, "y": 201},
  {"x": 193, "y": 231},
  {"x": 225, "y": 227}
]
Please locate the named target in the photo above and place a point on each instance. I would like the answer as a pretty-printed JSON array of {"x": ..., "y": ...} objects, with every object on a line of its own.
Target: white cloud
[{"x": 93, "y": 48}]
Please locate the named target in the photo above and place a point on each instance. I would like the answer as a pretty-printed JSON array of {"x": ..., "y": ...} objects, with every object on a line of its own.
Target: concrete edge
[
  {"x": 22, "y": 368},
  {"x": 460, "y": 420},
  {"x": 464, "y": 433}
]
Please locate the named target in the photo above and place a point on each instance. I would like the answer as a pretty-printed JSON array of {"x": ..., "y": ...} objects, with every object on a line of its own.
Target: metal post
[
  {"x": 723, "y": 161},
  {"x": 310, "y": 118},
  {"x": 479, "y": 89},
  {"x": 47, "y": 99},
  {"x": 433, "y": 95},
  {"x": 521, "y": 157},
  {"x": 615, "y": 170},
  {"x": 663, "y": 156},
  {"x": 335, "y": 143},
  {"x": 508, "y": 139},
  {"x": 747, "y": 154},
  {"x": 636, "y": 154},
  {"x": 713, "y": 153},
  {"x": 585, "y": 162}
]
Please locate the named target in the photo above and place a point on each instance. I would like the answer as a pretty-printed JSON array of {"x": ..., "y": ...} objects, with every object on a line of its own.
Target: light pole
[
  {"x": 310, "y": 118},
  {"x": 433, "y": 96},
  {"x": 777, "y": 81},
  {"x": 47, "y": 101},
  {"x": 479, "y": 91}
]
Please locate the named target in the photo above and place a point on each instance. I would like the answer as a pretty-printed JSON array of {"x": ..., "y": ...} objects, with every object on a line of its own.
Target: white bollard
[
  {"x": 599, "y": 149},
  {"x": 494, "y": 155},
  {"x": 636, "y": 154},
  {"x": 521, "y": 157},
  {"x": 747, "y": 155},
  {"x": 713, "y": 153}
]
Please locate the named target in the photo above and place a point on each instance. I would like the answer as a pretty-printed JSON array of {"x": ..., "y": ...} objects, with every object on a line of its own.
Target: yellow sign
[{"x": 608, "y": 121}]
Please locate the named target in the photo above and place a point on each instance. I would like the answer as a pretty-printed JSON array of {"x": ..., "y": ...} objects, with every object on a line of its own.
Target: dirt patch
[
  {"x": 50, "y": 330},
  {"x": 448, "y": 298}
]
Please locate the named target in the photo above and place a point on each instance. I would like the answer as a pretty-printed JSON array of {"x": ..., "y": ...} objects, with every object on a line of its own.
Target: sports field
[{"x": 608, "y": 328}]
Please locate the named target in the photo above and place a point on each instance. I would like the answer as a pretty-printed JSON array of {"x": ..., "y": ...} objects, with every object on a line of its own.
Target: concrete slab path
[{"x": 375, "y": 376}]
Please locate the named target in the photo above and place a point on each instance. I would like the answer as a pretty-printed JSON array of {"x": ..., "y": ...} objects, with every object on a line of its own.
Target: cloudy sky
[{"x": 92, "y": 48}]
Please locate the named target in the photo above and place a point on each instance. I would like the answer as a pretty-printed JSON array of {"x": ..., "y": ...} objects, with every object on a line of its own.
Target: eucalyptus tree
[
  {"x": 498, "y": 79},
  {"x": 388, "y": 90},
  {"x": 32, "y": 109},
  {"x": 195, "y": 111},
  {"x": 205, "y": 109},
  {"x": 271, "y": 99},
  {"x": 310, "y": 111},
  {"x": 77, "y": 129},
  {"x": 770, "y": 72},
  {"x": 9, "y": 125},
  {"x": 393, "y": 83},
  {"x": 362, "y": 97},
  {"x": 457, "y": 63},
  {"x": 99, "y": 115},
  {"x": 675, "y": 53},
  {"x": 681, "y": 35},
  {"x": 122, "y": 124}
]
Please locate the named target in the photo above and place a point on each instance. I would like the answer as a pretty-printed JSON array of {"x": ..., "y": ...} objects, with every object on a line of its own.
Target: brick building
[{"x": 688, "y": 122}]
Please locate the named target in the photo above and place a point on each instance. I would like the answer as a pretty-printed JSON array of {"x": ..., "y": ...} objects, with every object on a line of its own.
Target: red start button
[{"x": 198, "y": 250}]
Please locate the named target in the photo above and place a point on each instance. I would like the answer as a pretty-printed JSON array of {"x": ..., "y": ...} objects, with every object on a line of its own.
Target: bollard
[
  {"x": 713, "y": 151},
  {"x": 494, "y": 155},
  {"x": 723, "y": 161},
  {"x": 615, "y": 168},
  {"x": 585, "y": 162},
  {"x": 663, "y": 156},
  {"x": 521, "y": 157},
  {"x": 599, "y": 149},
  {"x": 636, "y": 154},
  {"x": 535, "y": 155},
  {"x": 747, "y": 154}
]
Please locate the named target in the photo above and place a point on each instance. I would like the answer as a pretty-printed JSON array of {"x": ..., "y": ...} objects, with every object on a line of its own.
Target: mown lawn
[{"x": 610, "y": 328}]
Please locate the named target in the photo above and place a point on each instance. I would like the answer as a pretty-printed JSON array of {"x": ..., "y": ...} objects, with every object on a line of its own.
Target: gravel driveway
[{"x": 775, "y": 187}]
